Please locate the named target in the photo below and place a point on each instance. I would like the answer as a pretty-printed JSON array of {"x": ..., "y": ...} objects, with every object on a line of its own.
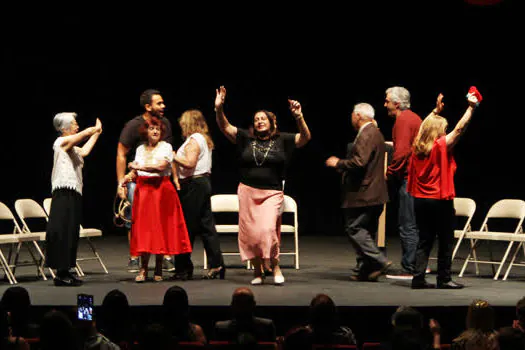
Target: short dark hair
[
  {"x": 143, "y": 129},
  {"x": 147, "y": 96},
  {"x": 323, "y": 312}
]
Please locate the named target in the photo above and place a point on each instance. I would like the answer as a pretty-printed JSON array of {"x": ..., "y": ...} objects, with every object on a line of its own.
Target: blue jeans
[
  {"x": 408, "y": 231},
  {"x": 131, "y": 194}
]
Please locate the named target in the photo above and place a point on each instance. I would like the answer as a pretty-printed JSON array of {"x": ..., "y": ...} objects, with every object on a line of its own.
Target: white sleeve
[
  {"x": 58, "y": 143},
  {"x": 165, "y": 152},
  {"x": 201, "y": 141},
  {"x": 139, "y": 154}
]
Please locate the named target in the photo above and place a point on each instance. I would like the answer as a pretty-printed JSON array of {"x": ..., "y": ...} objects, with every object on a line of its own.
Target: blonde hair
[
  {"x": 192, "y": 121},
  {"x": 431, "y": 128}
]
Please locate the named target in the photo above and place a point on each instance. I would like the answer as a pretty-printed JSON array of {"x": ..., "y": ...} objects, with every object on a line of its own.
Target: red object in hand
[{"x": 474, "y": 91}]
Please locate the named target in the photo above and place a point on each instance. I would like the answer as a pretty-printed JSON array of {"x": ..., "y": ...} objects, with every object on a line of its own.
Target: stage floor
[{"x": 325, "y": 263}]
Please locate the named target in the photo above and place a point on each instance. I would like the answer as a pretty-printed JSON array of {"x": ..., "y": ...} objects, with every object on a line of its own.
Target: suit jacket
[
  {"x": 364, "y": 170},
  {"x": 262, "y": 329}
]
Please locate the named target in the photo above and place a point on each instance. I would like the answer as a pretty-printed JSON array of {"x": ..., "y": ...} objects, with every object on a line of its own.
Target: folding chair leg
[
  {"x": 492, "y": 259},
  {"x": 92, "y": 246},
  {"x": 41, "y": 267},
  {"x": 458, "y": 243},
  {"x": 296, "y": 254},
  {"x": 475, "y": 255},
  {"x": 78, "y": 270},
  {"x": 512, "y": 261},
  {"x": 17, "y": 254},
  {"x": 7, "y": 269},
  {"x": 472, "y": 248},
  {"x": 503, "y": 260}
]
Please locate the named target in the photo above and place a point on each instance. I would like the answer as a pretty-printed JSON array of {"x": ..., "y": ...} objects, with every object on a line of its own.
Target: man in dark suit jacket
[
  {"x": 364, "y": 191},
  {"x": 389, "y": 154},
  {"x": 244, "y": 326}
]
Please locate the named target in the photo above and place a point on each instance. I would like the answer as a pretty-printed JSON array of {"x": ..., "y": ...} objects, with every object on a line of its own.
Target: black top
[
  {"x": 130, "y": 136},
  {"x": 263, "y": 162}
]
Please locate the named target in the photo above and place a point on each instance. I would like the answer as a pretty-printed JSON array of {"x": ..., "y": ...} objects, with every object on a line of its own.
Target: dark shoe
[
  {"x": 74, "y": 278},
  {"x": 133, "y": 265},
  {"x": 450, "y": 285},
  {"x": 67, "y": 282},
  {"x": 215, "y": 272},
  {"x": 422, "y": 285},
  {"x": 183, "y": 275},
  {"x": 375, "y": 274},
  {"x": 168, "y": 265},
  {"x": 361, "y": 278}
]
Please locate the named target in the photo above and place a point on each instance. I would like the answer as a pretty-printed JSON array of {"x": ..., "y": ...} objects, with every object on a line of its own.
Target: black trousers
[
  {"x": 361, "y": 224},
  {"x": 195, "y": 194},
  {"x": 63, "y": 229},
  {"x": 435, "y": 218}
]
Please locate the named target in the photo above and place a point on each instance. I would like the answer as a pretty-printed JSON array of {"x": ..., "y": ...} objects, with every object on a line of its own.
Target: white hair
[
  {"x": 63, "y": 120},
  {"x": 400, "y": 95},
  {"x": 364, "y": 110}
]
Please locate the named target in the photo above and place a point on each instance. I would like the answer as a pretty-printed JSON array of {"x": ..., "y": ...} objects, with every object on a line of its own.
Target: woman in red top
[{"x": 431, "y": 183}]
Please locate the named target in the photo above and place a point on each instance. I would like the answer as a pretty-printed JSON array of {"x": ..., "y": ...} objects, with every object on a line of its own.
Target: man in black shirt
[{"x": 153, "y": 104}]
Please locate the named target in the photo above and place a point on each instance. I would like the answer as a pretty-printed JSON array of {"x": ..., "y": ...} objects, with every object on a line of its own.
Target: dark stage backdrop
[{"x": 96, "y": 62}]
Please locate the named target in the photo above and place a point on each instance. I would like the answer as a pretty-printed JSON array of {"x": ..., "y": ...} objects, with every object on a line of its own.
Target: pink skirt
[{"x": 259, "y": 222}]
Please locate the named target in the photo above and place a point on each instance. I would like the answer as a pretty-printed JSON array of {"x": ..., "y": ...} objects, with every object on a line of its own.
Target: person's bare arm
[
  {"x": 122, "y": 152},
  {"x": 453, "y": 137},
  {"x": 304, "y": 135},
  {"x": 151, "y": 168},
  {"x": 226, "y": 128},
  {"x": 192, "y": 151},
  {"x": 88, "y": 146},
  {"x": 175, "y": 175},
  {"x": 73, "y": 140}
]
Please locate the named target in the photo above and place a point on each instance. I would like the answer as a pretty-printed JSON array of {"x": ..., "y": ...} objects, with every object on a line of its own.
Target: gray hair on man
[
  {"x": 399, "y": 95},
  {"x": 63, "y": 120},
  {"x": 364, "y": 110}
]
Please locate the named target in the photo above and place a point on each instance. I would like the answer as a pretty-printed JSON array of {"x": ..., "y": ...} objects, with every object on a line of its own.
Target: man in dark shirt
[
  {"x": 404, "y": 131},
  {"x": 153, "y": 104}
]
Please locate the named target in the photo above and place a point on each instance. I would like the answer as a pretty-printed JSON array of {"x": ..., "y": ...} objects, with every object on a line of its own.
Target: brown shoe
[{"x": 374, "y": 275}]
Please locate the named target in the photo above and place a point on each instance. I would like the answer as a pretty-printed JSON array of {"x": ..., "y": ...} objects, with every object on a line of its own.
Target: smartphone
[{"x": 85, "y": 307}]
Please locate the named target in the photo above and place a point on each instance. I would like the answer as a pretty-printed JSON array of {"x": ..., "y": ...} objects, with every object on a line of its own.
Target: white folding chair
[
  {"x": 513, "y": 209},
  {"x": 230, "y": 203},
  {"x": 290, "y": 206},
  {"x": 12, "y": 239},
  {"x": 521, "y": 239},
  {"x": 225, "y": 203},
  {"x": 86, "y": 233},
  {"x": 30, "y": 209}
]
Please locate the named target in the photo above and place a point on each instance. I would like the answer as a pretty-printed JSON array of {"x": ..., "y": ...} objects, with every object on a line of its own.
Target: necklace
[
  {"x": 262, "y": 149},
  {"x": 149, "y": 153}
]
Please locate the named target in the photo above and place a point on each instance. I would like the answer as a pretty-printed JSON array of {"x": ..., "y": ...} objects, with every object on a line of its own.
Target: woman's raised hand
[
  {"x": 295, "y": 108},
  {"x": 439, "y": 104},
  {"x": 220, "y": 96}
]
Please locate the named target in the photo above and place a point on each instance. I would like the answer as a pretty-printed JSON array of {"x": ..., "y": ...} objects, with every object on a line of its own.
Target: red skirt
[{"x": 158, "y": 225}]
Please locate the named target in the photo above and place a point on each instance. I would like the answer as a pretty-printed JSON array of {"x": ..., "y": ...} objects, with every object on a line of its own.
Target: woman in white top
[
  {"x": 65, "y": 216},
  {"x": 194, "y": 163},
  {"x": 158, "y": 225}
]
